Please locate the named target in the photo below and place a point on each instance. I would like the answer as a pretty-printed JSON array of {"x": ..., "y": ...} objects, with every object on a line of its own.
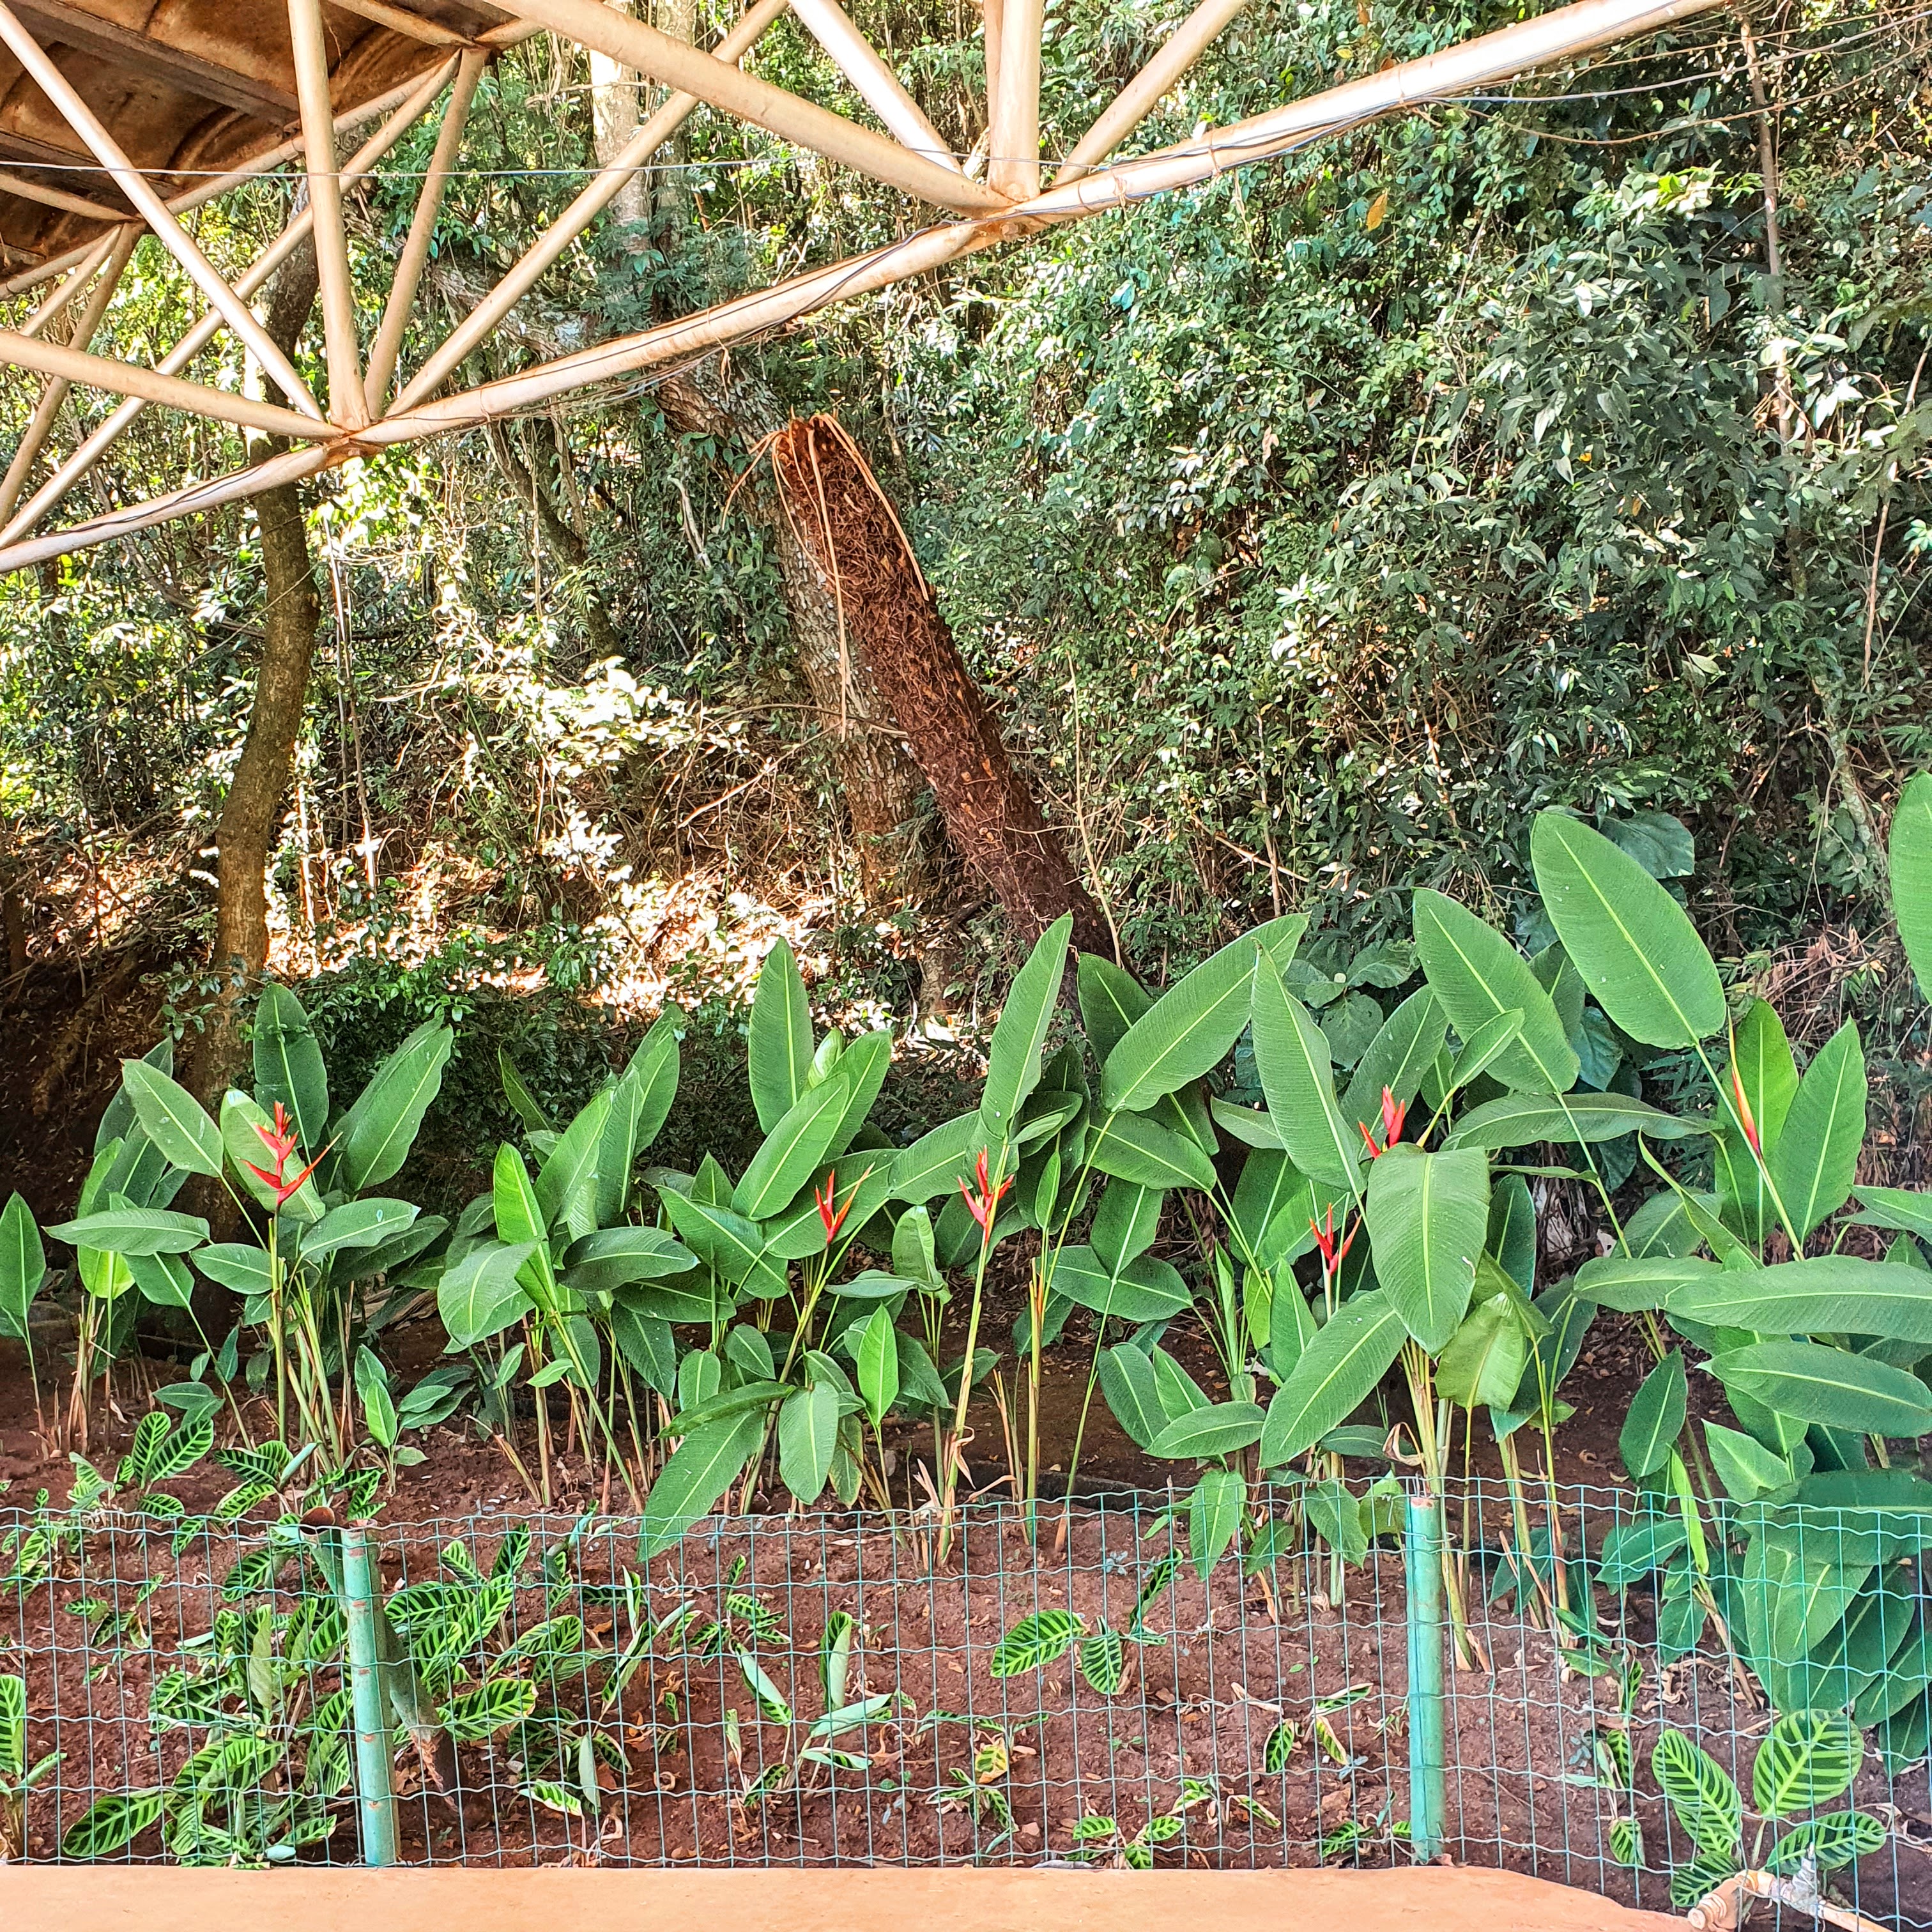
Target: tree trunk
[
  {"x": 251, "y": 814},
  {"x": 882, "y": 787},
  {"x": 614, "y": 90},
  {"x": 891, "y": 623}
]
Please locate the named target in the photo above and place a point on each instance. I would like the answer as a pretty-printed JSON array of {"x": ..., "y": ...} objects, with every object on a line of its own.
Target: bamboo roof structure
[{"x": 119, "y": 117}]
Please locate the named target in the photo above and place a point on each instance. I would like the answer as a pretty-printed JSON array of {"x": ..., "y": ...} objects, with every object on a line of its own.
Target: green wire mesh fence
[{"x": 506, "y": 1689}]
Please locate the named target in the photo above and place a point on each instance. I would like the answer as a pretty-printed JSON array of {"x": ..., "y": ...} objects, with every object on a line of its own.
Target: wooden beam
[
  {"x": 116, "y": 423},
  {"x": 599, "y": 193},
  {"x": 56, "y": 21},
  {"x": 1137, "y": 99},
  {"x": 126, "y": 378},
  {"x": 431, "y": 33},
  {"x": 86, "y": 325},
  {"x": 216, "y": 186},
  {"x": 802, "y": 122},
  {"x": 1013, "y": 141},
  {"x": 346, "y": 403},
  {"x": 149, "y": 205},
  {"x": 54, "y": 197},
  {"x": 404, "y": 284},
  {"x": 878, "y": 86}
]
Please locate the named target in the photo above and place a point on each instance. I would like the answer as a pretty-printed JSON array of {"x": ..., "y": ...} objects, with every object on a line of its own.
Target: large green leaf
[
  {"x": 1763, "y": 1065},
  {"x": 1192, "y": 1025},
  {"x": 173, "y": 1119},
  {"x": 1632, "y": 943},
  {"x": 1214, "y": 1516},
  {"x": 357, "y": 1224},
  {"x": 808, "y": 1434},
  {"x": 938, "y": 1160},
  {"x": 1830, "y": 1294},
  {"x": 875, "y": 1355},
  {"x": 1219, "y": 1430},
  {"x": 1019, "y": 1036},
  {"x": 863, "y": 1066},
  {"x": 567, "y": 1183},
  {"x": 479, "y": 1295},
  {"x": 1910, "y": 851},
  {"x": 243, "y": 1125},
  {"x": 1144, "y": 1289},
  {"x": 1128, "y": 1382},
  {"x": 1336, "y": 1373},
  {"x": 23, "y": 1266},
  {"x": 288, "y": 1065},
  {"x": 1813, "y": 1383},
  {"x": 1816, "y": 1157},
  {"x": 1428, "y": 1216},
  {"x": 1644, "y": 1284},
  {"x": 1523, "y": 1120},
  {"x": 1411, "y": 1038},
  {"x": 1292, "y": 1058},
  {"x": 690, "y": 1484},
  {"x": 134, "y": 1231},
  {"x": 1483, "y": 1366},
  {"x": 1655, "y": 1417},
  {"x": 519, "y": 1215},
  {"x": 1478, "y": 975},
  {"x": 780, "y": 1047},
  {"x": 733, "y": 1245},
  {"x": 377, "y": 1133},
  {"x": 1135, "y": 1148},
  {"x": 638, "y": 1109},
  {"x": 614, "y": 1258},
  {"x": 793, "y": 1151},
  {"x": 1111, "y": 1000},
  {"x": 1908, "y": 1210}
]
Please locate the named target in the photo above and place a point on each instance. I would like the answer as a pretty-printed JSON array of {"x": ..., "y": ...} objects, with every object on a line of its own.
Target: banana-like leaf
[
  {"x": 938, "y": 1160},
  {"x": 1479, "y": 976},
  {"x": 1813, "y": 1383},
  {"x": 173, "y": 1119},
  {"x": 1523, "y": 1120},
  {"x": 1292, "y": 1058},
  {"x": 1910, "y": 853},
  {"x": 377, "y": 1133},
  {"x": 1219, "y": 1430},
  {"x": 288, "y": 1065},
  {"x": 1192, "y": 1025},
  {"x": 23, "y": 1266},
  {"x": 134, "y": 1231},
  {"x": 1406, "y": 1047},
  {"x": 792, "y": 1149},
  {"x": 1131, "y": 1147},
  {"x": 1019, "y": 1035},
  {"x": 1111, "y": 1000},
  {"x": 1655, "y": 1417},
  {"x": 779, "y": 1049},
  {"x": 1428, "y": 1215},
  {"x": 808, "y": 1434},
  {"x": 1144, "y": 1289},
  {"x": 1214, "y": 1517},
  {"x": 1336, "y": 1373},
  {"x": 689, "y": 1485},
  {"x": 1633, "y": 945},
  {"x": 1829, "y": 1295},
  {"x": 1816, "y": 1157}
]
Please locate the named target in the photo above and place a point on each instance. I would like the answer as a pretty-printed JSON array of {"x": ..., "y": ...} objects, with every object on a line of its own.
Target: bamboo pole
[
  {"x": 859, "y": 61},
  {"x": 422, "y": 230},
  {"x": 85, "y": 326},
  {"x": 126, "y": 378},
  {"x": 83, "y": 272},
  {"x": 114, "y": 424},
  {"x": 691, "y": 70},
  {"x": 1013, "y": 142},
  {"x": 347, "y": 405},
  {"x": 432, "y": 33},
  {"x": 148, "y": 205},
  {"x": 1137, "y": 100},
  {"x": 57, "y": 197},
  {"x": 212, "y": 189},
  {"x": 989, "y": 21},
  {"x": 597, "y": 195},
  {"x": 1568, "y": 32}
]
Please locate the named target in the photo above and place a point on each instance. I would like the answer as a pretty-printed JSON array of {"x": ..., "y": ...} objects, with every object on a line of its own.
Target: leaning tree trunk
[
  {"x": 889, "y": 621},
  {"x": 251, "y": 814},
  {"x": 882, "y": 787}
]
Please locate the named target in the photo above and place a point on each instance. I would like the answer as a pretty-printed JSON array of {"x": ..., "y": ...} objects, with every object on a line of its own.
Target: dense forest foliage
[{"x": 1564, "y": 445}]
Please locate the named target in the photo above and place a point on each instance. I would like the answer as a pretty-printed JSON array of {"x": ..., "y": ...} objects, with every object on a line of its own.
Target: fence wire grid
[{"x": 813, "y": 1690}]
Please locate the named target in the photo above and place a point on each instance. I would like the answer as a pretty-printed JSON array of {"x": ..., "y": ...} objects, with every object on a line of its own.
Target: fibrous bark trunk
[
  {"x": 891, "y": 624},
  {"x": 251, "y": 814},
  {"x": 883, "y": 786},
  {"x": 614, "y": 90}
]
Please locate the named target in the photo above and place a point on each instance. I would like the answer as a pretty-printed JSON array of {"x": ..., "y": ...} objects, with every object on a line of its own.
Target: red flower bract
[
  {"x": 832, "y": 1215},
  {"x": 983, "y": 1202}
]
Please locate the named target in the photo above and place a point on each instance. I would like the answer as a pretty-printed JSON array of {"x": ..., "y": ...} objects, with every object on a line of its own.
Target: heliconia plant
[{"x": 1350, "y": 1145}]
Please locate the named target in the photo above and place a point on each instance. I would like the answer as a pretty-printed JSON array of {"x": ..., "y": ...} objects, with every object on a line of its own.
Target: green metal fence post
[
  {"x": 369, "y": 1704},
  {"x": 1422, "y": 1567}
]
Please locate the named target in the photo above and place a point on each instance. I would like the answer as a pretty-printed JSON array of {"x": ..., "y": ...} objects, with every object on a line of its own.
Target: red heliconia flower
[
  {"x": 1333, "y": 1252},
  {"x": 983, "y": 1204},
  {"x": 280, "y": 1140},
  {"x": 1745, "y": 1118},
  {"x": 831, "y": 1214},
  {"x": 1393, "y": 1111}
]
